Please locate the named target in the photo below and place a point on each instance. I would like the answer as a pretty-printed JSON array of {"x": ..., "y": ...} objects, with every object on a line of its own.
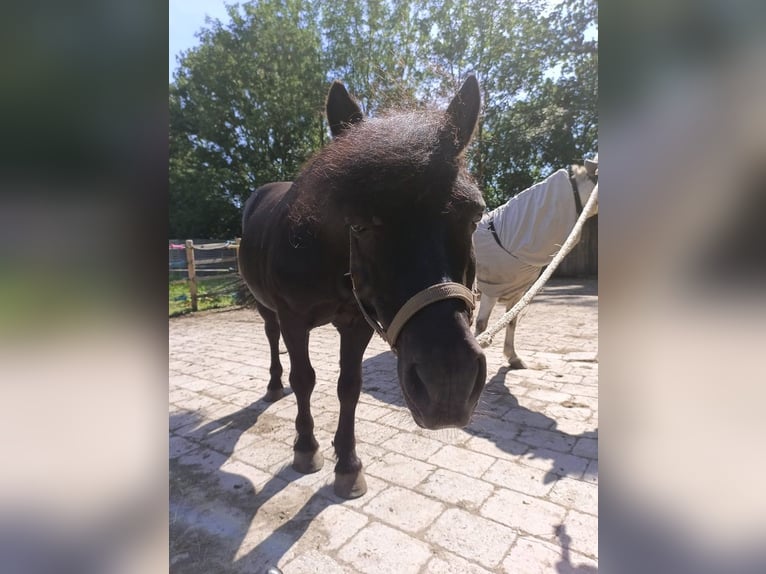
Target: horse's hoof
[
  {"x": 307, "y": 462},
  {"x": 273, "y": 395},
  {"x": 351, "y": 485},
  {"x": 516, "y": 363}
]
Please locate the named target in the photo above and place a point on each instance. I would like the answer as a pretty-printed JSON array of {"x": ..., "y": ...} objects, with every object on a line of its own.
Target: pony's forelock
[{"x": 385, "y": 164}]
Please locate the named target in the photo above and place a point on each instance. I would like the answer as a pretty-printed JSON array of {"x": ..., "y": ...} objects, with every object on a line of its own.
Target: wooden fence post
[
  {"x": 236, "y": 251},
  {"x": 192, "y": 273}
]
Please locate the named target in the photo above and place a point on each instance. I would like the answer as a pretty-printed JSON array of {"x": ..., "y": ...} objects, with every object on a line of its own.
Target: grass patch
[{"x": 212, "y": 293}]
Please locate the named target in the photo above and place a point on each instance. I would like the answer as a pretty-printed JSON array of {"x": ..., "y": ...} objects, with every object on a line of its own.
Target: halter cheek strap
[{"x": 421, "y": 299}]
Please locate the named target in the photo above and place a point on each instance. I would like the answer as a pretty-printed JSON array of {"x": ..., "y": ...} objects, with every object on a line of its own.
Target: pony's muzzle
[
  {"x": 438, "y": 402},
  {"x": 442, "y": 370}
]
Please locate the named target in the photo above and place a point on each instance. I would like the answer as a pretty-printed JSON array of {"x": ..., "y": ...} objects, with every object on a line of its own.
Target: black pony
[{"x": 373, "y": 234}]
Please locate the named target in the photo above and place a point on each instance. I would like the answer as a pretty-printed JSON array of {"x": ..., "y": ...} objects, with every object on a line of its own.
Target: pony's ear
[
  {"x": 342, "y": 109},
  {"x": 462, "y": 114}
]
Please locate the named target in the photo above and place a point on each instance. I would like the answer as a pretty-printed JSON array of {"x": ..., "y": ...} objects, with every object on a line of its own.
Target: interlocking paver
[
  {"x": 498, "y": 447},
  {"x": 473, "y": 537},
  {"x": 524, "y": 513},
  {"x": 587, "y": 447},
  {"x": 591, "y": 473},
  {"x": 462, "y": 460},
  {"x": 380, "y": 548},
  {"x": 447, "y": 563},
  {"x": 339, "y": 523},
  {"x": 455, "y": 488},
  {"x": 404, "y": 509},
  {"x": 315, "y": 561},
  {"x": 532, "y": 556},
  {"x": 548, "y": 395},
  {"x": 515, "y": 491},
  {"x": 179, "y": 445},
  {"x": 583, "y": 530},
  {"x": 520, "y": 477},
  {"x": 400, "y": 469},
  {"x": 416, "y": 446},
  {"x": 576, "y": 494},
  {"x": 556, "y": 463}
]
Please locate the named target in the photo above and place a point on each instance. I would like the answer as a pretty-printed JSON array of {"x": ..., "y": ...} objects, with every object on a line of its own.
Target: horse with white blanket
[{"x": 515, "y": 241}]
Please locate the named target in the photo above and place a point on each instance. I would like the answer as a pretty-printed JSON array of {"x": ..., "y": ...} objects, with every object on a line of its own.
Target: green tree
[
  {"x": 374, "y": 48},
  {"x": 246, "y": 109},
  {"x": 539, "y": 84},
  {"x": 247, "y": 104}
]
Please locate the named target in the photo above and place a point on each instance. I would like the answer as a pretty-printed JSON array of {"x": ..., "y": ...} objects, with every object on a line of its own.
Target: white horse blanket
[{"x": 531, "y": 227}]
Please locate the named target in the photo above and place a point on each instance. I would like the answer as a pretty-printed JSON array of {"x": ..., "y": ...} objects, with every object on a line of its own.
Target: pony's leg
[
  {"x": 486, "y": 304},
  {"x": 349, "y": 478},
  {"x": 275, "y": 390},
  {"x": 306, "y": 456},
  {"x": 514, "y": 362}
]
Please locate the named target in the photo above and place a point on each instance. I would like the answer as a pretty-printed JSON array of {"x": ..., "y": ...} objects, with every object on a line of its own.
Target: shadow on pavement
[
  {"x": 564, "y": 292},
  {"x": 565, "y": 566},
  {"x": 213, "y": 510},
  {"x": 498, "y": 418}
]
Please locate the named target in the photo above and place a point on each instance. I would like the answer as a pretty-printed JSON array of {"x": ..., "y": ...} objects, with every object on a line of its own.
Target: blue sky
[{"x": 186, "y": 18}]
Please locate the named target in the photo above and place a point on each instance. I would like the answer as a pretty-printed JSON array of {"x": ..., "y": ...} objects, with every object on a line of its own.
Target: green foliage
[
  {"x": 212, "y": 293},
  {"x": 246, "y": 105},
  {"x": 245, "y": 109}
]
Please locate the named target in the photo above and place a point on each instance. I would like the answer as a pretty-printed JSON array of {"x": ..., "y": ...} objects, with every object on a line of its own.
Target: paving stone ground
[{"x": 516, "y": 491}]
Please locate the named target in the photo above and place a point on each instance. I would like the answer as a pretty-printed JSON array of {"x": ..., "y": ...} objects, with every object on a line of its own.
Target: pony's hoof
[
  {"x": 307, "y": 462},
  {"x": 273, "y": 395},
  {"x": 516, "y": 363},
  {"x": 351, "y": 485}
]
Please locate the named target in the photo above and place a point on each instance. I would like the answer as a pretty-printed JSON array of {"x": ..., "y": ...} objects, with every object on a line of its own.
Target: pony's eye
[{"x": 358, "y": 228}]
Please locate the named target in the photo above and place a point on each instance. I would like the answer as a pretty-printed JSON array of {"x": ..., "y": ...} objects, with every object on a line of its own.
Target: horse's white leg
[
  {"x": 514, "y": 362},
  {"x": 486, "y": 304}
]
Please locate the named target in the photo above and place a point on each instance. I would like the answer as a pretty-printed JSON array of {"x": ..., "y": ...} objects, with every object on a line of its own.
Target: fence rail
[
  {"x": 212, "y": 259},
  {"x": 204, "y": 258}
]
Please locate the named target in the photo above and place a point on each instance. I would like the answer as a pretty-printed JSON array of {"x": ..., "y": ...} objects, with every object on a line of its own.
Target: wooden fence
[
  {"x": 212, "y": 265},
  {"x": 582, "y": 261}
]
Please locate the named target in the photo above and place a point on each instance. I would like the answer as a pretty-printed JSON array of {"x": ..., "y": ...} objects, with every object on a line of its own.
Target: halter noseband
[{"x": 421, "y": 299}]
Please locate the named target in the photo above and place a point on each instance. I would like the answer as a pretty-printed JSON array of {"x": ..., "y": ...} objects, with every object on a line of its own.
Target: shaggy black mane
[{"x": 386, "y": 164}]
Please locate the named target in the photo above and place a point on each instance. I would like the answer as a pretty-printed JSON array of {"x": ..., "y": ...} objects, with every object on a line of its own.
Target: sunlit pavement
[{"x": 516, "y": 491}]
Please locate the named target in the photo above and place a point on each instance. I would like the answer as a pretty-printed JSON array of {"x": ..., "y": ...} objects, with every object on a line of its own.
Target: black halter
[{"x": 576, "y": 192}]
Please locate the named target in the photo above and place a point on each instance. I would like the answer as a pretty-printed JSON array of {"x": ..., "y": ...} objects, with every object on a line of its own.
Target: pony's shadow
[
  {"x": 495, "y": 398},
  {"x": 565, "y": 566},
  {"x": 212, "y": 510},
  {"x": 498, "y": 417}
]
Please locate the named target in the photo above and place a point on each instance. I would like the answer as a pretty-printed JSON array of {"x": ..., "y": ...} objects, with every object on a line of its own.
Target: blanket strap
[
  {"x": 491, "y": 227},
  {"x": 576, "y": 192}
]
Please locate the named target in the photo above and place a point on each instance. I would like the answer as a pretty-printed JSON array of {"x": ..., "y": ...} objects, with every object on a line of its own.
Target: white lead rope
[{"x": 485, "y": 339}]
